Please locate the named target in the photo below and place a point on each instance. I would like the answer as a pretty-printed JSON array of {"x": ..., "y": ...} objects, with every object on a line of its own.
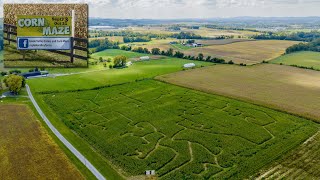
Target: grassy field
[
  {"x": 111, "y": 53},
  {"x": 249, "y": 52},
  {"x": 221, "y": 41},
  {"x": 178, "y": 132},
  {"x": 139, "y": 70},
  {"x": 27, "y": 151},
  {"x": 180, "y": 47},
  {"x": 301, "y": 163},
  {"x": 304, "y": 59},
  {"x": 283, "y": 87}
]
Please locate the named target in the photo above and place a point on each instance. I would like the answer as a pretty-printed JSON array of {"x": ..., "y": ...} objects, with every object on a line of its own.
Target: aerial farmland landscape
[{"x": 166, "y": 94}]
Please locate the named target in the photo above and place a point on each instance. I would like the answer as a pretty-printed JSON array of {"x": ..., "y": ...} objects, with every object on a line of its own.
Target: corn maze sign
[{"x": 44, "y": 32}]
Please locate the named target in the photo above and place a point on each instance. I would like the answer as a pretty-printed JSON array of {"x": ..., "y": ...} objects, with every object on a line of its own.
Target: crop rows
[
  {"x": 303, "y": 163},
  {"x": 178, "y": 132}
]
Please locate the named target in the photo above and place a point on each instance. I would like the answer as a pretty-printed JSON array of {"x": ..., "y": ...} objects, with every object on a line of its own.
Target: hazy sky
[{"x": 166, "y": 9}]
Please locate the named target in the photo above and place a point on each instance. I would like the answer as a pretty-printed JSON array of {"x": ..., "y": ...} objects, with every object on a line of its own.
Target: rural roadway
[{"x": 93, "y": 170}]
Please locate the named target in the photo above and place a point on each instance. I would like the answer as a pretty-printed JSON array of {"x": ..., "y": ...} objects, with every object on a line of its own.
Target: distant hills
[{"x": 243, "y": 21}]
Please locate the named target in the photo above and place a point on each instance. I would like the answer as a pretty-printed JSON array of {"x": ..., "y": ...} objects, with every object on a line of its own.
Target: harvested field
[
  {"x": 286, "y": 88},
  {"x": 27, "y": 151},
  {"x": 110, "y": 38},
  {"x": 249, "y": 52},
  {"x": 301, "y": 163}
]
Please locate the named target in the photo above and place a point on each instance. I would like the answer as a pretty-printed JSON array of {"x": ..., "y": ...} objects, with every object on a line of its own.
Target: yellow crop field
[
  {"x": 27, "y": 151},
  {"x": 209, "y": 32},
  {"x": 111, "y": 38},
  {"x": 249, "y": 52},
  {"x": 290, "y": 89}
]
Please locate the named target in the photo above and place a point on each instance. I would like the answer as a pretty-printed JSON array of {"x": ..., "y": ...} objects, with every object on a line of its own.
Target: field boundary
[
  {"x": 258, "y": 103},
  {"x": 94, "y": 171}
]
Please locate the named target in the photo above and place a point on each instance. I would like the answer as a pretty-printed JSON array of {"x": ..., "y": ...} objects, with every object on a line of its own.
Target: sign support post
[{"x": 72, "y": 36}]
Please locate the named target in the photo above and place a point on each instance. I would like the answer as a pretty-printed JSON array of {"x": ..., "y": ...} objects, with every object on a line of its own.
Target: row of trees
[
  {"x": 136, "y": 35},
  {"x": 186, "y": 35},
  {"x": 170, "y": 52},
  {"x": 128, "y": 39},
  {"x": 102, "y": 44},
  {"x": 298, "y": 36},
  {"x": 311, "y": 46}
]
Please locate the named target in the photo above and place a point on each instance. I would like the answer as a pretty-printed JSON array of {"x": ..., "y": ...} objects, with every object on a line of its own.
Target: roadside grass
[
  {"x": 176, "y": 131},
  {"x": 304, "y": 59}
]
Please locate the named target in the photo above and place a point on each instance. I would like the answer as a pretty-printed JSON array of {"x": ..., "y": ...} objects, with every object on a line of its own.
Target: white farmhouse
[
  {"x": 144, "y": 58},
  {"x": 189, "y": 65}
]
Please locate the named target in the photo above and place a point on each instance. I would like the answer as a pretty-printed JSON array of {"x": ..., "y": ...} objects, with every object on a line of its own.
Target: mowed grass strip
[
  {"x": 291, "y": 89},
  {"x": 305, "y": 59},
  {"x": 110, "y": 53},
  {"x": 301, "y": 163},
  {"x": 248, "y": 52},
  {"x": 137, "y": 71},
  {"x": 177, "y": 131},
  {"x": 27, "y": 151}
]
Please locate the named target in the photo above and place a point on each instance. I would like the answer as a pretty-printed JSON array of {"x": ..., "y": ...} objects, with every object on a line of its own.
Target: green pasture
[
  {"x": 111, "y": 53},
  {"x": 181, "y": 47},
  {"x": 305, "y": 59},
  {"x": 137, "y": 71}
]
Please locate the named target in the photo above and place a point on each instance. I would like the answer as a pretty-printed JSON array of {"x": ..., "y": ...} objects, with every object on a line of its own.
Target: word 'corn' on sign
[{"x": 28, "y": 25}]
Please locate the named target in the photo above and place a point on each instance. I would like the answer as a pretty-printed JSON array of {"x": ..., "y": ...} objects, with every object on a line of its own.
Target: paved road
[{"x": 64, "y": 140}]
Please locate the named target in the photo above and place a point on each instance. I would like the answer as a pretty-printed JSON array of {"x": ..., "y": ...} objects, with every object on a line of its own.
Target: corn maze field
[
  {"x": 178, "y": 132},
  {"x": 303, "y": 163}
]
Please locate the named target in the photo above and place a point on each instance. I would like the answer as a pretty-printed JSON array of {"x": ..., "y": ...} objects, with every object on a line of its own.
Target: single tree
[
  {"x": 155, "y": 51},
  {"x": 119, "y": 61},
  {"x": 200, "y": 57},
  {"x": 14, "y": 83}
]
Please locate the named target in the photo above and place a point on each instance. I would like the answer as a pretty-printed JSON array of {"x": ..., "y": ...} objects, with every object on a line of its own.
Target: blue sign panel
[
  {"x": 44, "y": 43},
  {"x": 23, "y": 43}
]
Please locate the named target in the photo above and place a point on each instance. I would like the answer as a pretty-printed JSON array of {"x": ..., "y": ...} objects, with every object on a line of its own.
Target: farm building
[
  {"x": 189, "y": 65},
  {"x": 144, "y": 58},
  {"x": 31, "y": 74},
  {"x": 197, "y": 45}
]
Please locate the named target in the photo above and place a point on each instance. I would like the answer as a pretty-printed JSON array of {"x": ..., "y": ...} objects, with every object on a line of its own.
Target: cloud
[{"x": 163, "y": 9}]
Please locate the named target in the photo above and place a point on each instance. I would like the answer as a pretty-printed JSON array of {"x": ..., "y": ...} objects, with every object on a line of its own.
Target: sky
[{"x": 177, "y": 9}]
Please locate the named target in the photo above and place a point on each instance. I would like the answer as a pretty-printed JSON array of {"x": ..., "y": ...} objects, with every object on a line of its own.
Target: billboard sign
[{"x": 44, "y": 32}]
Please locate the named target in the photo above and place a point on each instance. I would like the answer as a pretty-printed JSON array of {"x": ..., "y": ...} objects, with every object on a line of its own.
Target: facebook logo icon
[{"x": 23, "y": 43}]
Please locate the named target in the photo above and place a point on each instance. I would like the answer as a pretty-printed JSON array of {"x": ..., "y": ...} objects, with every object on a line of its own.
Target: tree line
[
  {"x": 298, "y": 36},
  {"x": 311, "y": 46},
  {"x": 102, "y": 44},
  {"x": 171, "y": 53}
]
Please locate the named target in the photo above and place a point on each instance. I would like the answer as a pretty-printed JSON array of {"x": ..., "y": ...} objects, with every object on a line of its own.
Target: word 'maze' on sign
[{"x": 44, "y": 32}]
